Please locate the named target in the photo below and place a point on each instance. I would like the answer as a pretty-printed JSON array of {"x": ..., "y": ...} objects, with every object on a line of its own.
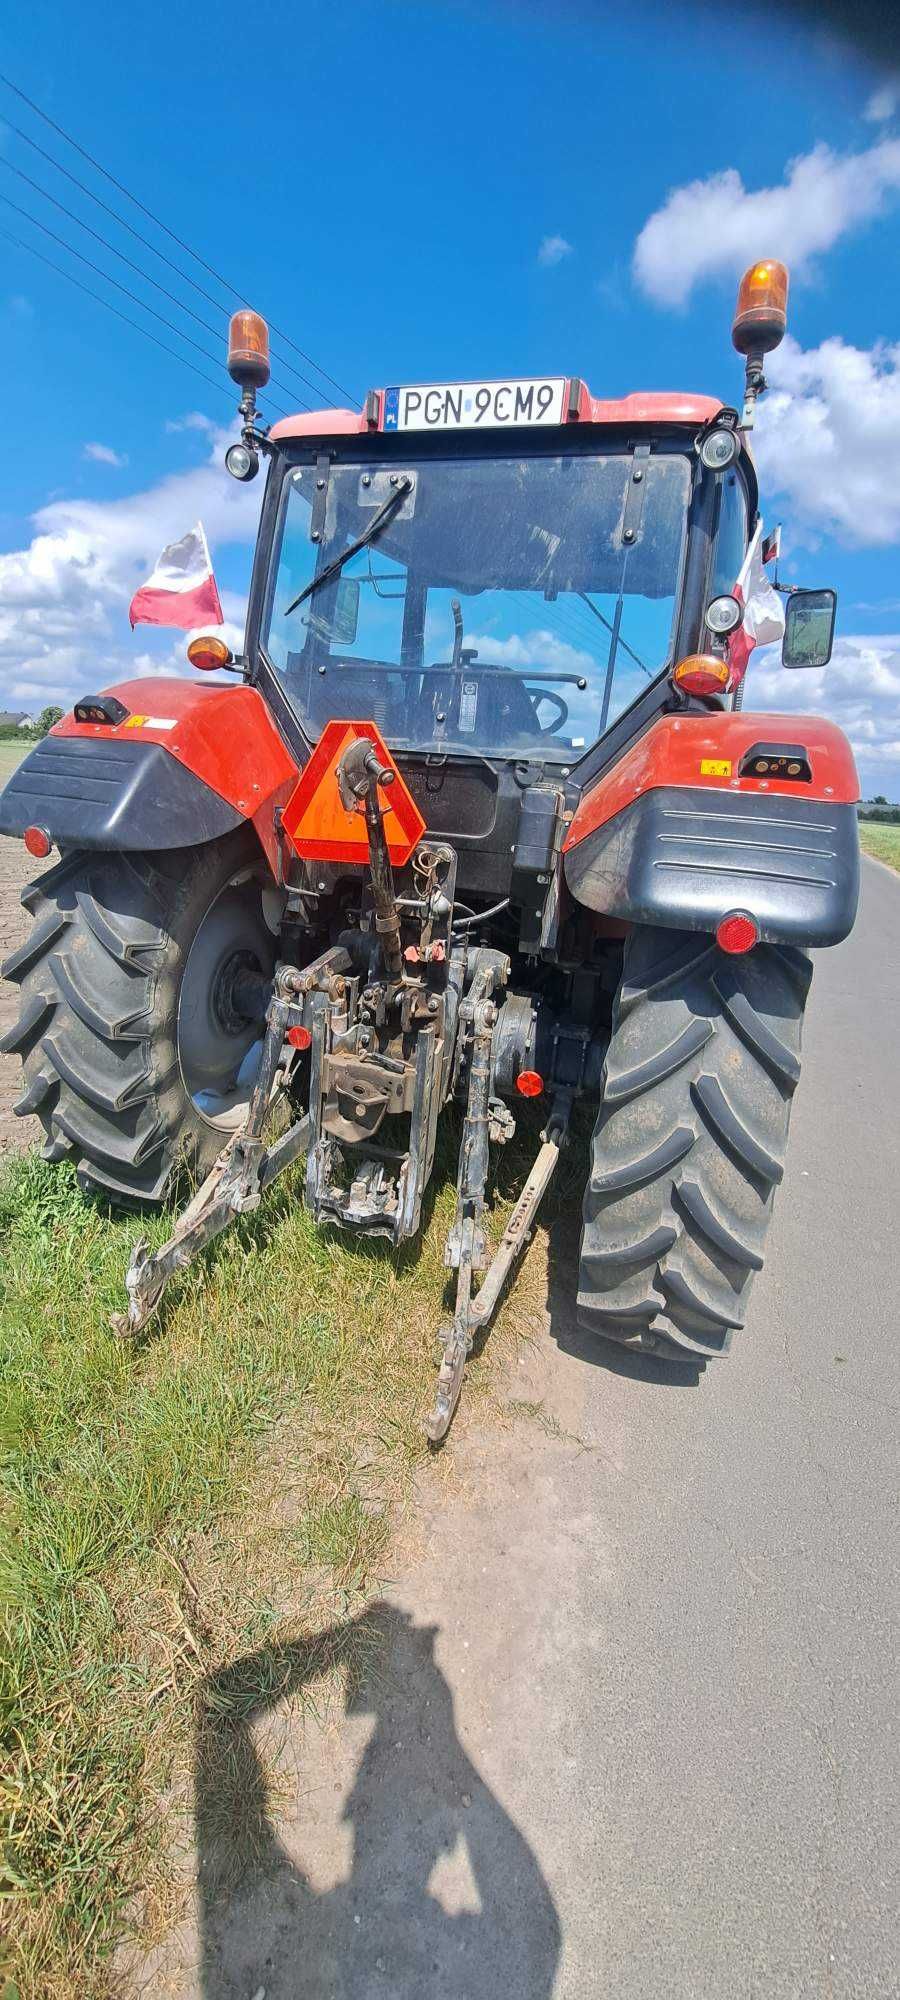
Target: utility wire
[
  {"x": 139, "y": 238},
  {"x": 124, "y": 289},
  {"x": 91, "y": 294},
  {"x": 159, "y": 224},
  {"x": 138, "y": 268}
]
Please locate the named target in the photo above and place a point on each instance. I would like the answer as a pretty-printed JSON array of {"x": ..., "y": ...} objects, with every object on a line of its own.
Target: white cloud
[
  {"x": 533, "y": 649},
  {"x": 553, "y": 249},
  {"x": 193, "y": 420},
  {"x": 828, "y": 439},
  {"x": 716, "y": 226},
  {"x": 859, "y": 689},
  {"x": 103, "y": 454},
  {"x": 64, "y": 597},
  {"x": 883, "y": 102}
]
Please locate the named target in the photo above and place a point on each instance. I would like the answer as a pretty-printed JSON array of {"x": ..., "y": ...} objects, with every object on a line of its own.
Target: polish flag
[
  {"x": 182, "y": 589},
  {"x": 763, "y": 620}
]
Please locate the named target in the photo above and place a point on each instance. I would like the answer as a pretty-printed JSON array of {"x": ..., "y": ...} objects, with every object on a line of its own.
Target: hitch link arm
[
  {"x": 244, "y": 1168},
  {"x": 466, "y": 1243}
]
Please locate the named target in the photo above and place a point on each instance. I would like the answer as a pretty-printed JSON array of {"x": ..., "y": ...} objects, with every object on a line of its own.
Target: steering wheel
[{"x": 562, "y": 711}]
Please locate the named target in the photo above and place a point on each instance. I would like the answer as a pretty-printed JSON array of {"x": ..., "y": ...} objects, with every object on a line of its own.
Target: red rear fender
[
  {"x": 225, "y": 736},
  {"x": 678, "y": 834},
  {"x": 705, "y": 751}
]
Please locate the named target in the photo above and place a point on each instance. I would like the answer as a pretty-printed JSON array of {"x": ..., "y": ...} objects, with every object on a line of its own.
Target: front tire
[
  {"x": 690, "y": 1140},
  {"x": 122, "y": 1040}
]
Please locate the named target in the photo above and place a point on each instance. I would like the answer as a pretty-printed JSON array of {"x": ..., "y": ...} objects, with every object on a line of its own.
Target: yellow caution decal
[{"x": 715, "y": 767}]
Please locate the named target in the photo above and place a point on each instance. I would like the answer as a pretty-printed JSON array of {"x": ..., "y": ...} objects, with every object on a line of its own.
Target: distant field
[
  {"x": 882, "y": 841},
  {"x": 11, "y": 754}
]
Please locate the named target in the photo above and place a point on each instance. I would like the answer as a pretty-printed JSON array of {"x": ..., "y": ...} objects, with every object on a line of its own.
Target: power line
[
  {"x": 139, "y": 238},
  {"x": 111, "y": 247},
  {"x": 91, "y": 294},
  {"x": 159, "y": 224},
  {"x": 124, "y": 289}
]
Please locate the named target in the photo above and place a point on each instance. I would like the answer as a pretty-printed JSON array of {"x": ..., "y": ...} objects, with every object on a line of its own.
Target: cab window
[{"x": 731, "y": 535}]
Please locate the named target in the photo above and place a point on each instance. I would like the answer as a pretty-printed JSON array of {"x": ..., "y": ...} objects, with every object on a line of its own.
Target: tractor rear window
[{"x": 507, "y": 606}]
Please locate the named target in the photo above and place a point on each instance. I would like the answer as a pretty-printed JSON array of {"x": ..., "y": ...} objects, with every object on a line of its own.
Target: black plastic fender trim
[
  {"x": 686, "y": 857},
  {"x": 89, "y": 793}
]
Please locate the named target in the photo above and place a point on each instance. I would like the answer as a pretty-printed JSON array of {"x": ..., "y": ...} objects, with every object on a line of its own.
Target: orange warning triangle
[{"x": 318, "y": 825}]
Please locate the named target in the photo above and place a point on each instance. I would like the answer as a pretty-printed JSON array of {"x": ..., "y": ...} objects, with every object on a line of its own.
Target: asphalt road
[{"x": 635, "y": 1736}]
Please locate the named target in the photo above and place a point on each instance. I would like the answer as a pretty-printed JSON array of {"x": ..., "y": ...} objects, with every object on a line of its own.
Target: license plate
[{"x": 463, "y": 406}]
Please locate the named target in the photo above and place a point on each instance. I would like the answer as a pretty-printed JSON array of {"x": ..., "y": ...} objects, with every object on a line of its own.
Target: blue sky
[{"x": 383, "y": 189}]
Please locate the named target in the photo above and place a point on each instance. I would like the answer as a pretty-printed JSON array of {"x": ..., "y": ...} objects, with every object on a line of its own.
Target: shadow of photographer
[{"x": 417, "y": 1805}]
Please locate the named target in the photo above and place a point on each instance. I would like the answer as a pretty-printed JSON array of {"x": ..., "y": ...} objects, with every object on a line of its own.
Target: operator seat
[
  {"x": 504, "y": 714},
  {"x": 354, "y": 690}
]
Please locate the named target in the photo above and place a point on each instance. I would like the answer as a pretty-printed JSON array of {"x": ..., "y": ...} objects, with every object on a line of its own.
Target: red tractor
[{"x": 481, "y": 819}]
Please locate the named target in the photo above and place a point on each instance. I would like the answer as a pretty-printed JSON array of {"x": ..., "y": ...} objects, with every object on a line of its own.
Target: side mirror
[{"x": 808, "y": 628}]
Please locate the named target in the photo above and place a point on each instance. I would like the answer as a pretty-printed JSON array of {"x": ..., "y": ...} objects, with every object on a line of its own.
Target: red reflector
[
  {"x": 528, "y": 1083},
  {"x": 737, "y": 933},
  {"x": 299, "y": 1038},
  {"x": 38, "y": 842}
]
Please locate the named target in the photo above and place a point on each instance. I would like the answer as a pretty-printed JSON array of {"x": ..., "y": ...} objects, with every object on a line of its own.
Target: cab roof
[{"x": 643, "y": 406}]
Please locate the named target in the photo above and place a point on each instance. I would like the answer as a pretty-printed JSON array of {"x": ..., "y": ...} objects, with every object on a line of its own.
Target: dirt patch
[{"x": 16, "y": 868}]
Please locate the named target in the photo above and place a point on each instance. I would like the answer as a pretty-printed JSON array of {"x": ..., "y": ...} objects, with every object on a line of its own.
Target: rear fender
[
  {"x": 678, "y": 834},
  {"x": 187, "y": 764}
]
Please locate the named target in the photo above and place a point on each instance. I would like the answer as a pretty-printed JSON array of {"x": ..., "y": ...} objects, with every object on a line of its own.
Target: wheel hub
[{"x": 233, "y": 949}]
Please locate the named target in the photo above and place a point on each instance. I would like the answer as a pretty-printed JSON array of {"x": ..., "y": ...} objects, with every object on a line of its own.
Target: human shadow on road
[{"x": 416, "y": 1800}]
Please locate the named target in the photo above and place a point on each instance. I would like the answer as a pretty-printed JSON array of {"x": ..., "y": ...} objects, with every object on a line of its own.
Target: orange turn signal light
[
  {"x": 208, "y": 654},
  {"x": 760, "y": 319},
  {"x": 248, "y": 350},
  {"x": 701, "y": 673}
]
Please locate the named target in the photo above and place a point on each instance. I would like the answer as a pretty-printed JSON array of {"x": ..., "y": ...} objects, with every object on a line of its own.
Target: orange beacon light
[
  {"x": 248, "y": 350},
  {"x": 760, "y": 319}
]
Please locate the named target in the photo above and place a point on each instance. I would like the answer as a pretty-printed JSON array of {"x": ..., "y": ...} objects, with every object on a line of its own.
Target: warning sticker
[
  {"x": 715, "y": 767},
  {"x": 150, "y": 722}
]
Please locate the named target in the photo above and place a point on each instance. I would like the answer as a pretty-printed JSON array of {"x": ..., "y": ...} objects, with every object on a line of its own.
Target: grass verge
[
  {"x": 169, "y": 1505},
  {"x": 11, "y": 755},
  {"x": 882, "y": 841}
]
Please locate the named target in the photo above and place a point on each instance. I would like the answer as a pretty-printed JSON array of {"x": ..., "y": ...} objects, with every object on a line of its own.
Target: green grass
[
  {"x": 11, "y": 754},
  {"x": 882, "y": 841},
  {"x": 172, "y": 1503}
]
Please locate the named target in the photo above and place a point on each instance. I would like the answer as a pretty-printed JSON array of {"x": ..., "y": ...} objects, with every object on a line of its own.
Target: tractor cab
[
  {"x": 506, "y": 601},
  {"x": 502, "y": 591}
]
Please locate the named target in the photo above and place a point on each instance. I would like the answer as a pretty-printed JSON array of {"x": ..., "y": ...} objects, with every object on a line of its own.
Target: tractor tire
[
  {"x": 130, "y": 1062},
  {"x": 690, "y": 1140}
]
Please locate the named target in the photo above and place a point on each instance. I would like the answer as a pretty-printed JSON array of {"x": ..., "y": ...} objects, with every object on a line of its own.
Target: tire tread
[{"x": 690, "y": 1140}]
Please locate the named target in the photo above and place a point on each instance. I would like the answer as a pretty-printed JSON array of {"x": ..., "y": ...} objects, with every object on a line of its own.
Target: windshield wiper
[{"x": 368, "y": 535}]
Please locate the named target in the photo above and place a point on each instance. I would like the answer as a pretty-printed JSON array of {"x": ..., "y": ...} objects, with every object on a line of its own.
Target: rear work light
[
  {"x": 37, "y": 841},
  {"x": 737, "y": 932},
  {"x": 701, "y": 673}
]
